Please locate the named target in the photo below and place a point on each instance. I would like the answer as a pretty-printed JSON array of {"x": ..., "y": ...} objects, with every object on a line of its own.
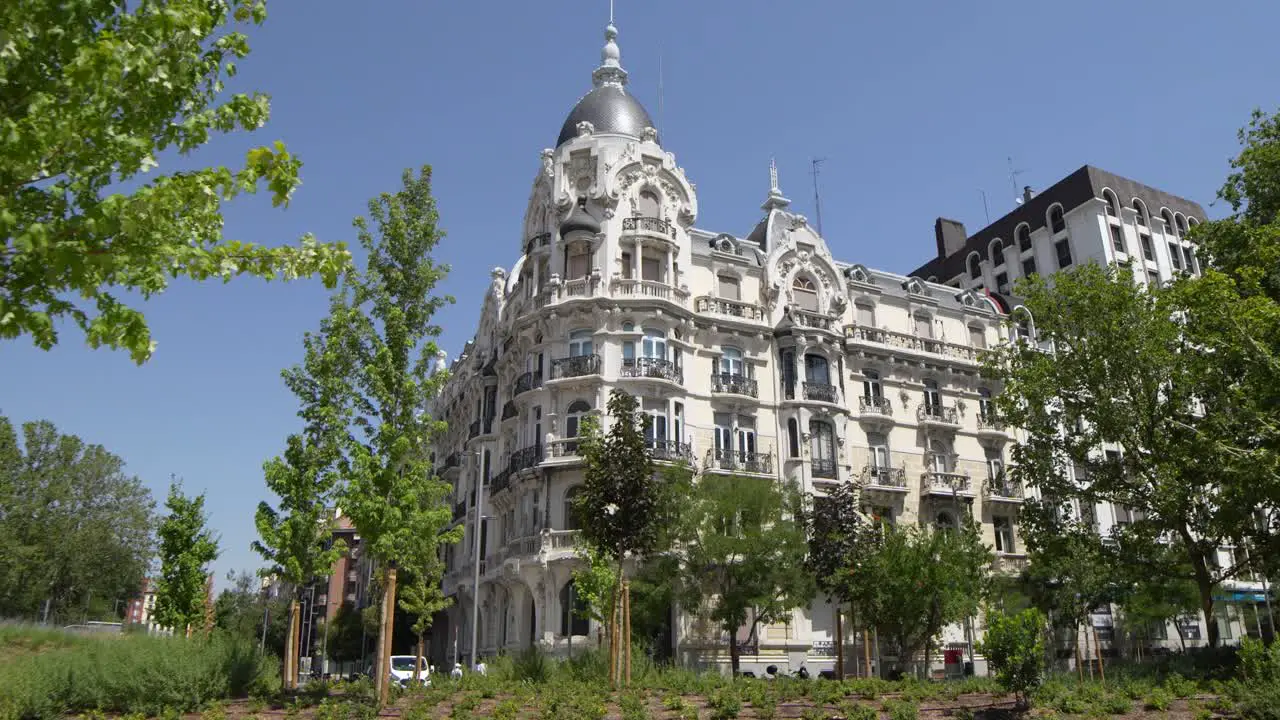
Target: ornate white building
[{"x": 760, "y": 355}]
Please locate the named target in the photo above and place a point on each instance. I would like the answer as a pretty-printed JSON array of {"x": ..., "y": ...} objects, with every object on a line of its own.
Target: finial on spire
[
  {"x": 610, "y": 12},
  {"x": 776, "y": 199},
  {"x": 610, "y": 71}
]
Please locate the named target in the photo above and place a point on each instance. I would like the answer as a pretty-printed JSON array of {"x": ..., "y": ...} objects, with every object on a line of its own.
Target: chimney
[
  {"x": 950, "y": 235},
  {"x": 1026, "y": 193}
]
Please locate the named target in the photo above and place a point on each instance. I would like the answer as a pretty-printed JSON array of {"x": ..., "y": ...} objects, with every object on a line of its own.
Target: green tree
[
  {"x": 1014, "y": 645},
  {"x": 744, "y": 547},
  {"x": 76, "y": 532},
  {"x": 622, "y": 502},
  {"x": 1118, "y": 413},
  {"x": 94, "y": 92},
  {"x": 382, "y": 321},
  {"x": 346, "y": 634},
  {"x": 909, "y": 583},
  {"x": 297, "y": 538},
  {"x": 422, "y": 593},
  {"x": 187, "y": 546}
]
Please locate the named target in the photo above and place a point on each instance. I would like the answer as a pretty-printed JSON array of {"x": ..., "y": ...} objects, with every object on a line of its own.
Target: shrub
[
  {"x": 901, "y": 709},
  {"x": 1257, "y": 692},
  {"x": 633, "y": 706},
  {"x": 506, "y": 710},
  {"x": 531, "y": 665},
  {"x": 1115, "y": 704},
  {"x": 133, "y": 674},
  {"x": 724, "y": 704},
  {"x": 1158, "y": 699},
  {"x": 1014, "y": 646},
  {"x": 858, "y": 711}
]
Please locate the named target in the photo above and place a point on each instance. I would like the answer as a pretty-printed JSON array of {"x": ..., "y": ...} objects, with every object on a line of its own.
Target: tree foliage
[
  {"x": 92, "y": 93},
  {"x": 187, "y": 546},
  {"x": 75, "y": 530},
  {"x": 1071, "y": 570},
  {"x": 744, "y": 547},
  {"x": 1014, "y": 646},
  {"x": 243, "y": 607},
  {"x": 1119, "y": 412}
]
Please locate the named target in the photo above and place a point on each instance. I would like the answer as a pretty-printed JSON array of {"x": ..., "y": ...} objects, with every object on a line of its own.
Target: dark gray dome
[
  {"x": 579, "y": 219},
  {"x": 610, "y": 109}
]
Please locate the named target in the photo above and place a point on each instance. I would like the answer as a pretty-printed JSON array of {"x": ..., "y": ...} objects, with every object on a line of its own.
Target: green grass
[{"x": 49, "y": 674}]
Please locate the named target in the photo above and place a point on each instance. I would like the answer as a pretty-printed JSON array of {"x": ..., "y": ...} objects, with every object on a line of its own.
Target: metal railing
[
  {"x": 883, "y": 476},
  {"x": 651, "y": 368},
  {"x": 937, "y": 481},
  {"x": 473, "y": 431},
  {"x": 459, "y": 510},
  {"x": 892, "y": 338},
  {"x": 1001, "y": 486},
  {"x": 729, "y": 308},
  {"x": 654, "y": 225},
  {"x": 760, "y": 463},
  {"x": 509, "y": 410},
  {"x": 989, "y": 421},
  {"x": 937, "y": 414},
  {"x": 823, "y": 468},
  {"x": 734, "y": 384},
  {"x": 525, "y": 458},
  {"x": 821, "y": 392},
  {"x": 669, "y": 450},
  {"x": 501, "y": 481},
  {"x": 526, "y": 382},
  {"x": 875, "y": 405},
  {"x": 575, "y": 366},
  {"x": 563, "y": 447}
]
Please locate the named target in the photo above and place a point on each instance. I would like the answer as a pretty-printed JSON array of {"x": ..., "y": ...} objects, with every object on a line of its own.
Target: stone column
[
  {"x": 671, "y": 277},
  {"x": 636, "y": 256}
]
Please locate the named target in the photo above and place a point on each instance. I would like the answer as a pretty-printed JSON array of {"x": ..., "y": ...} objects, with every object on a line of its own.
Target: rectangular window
[
  {"x": 1175, "y": 256},
  {"x": 1004, "y": 533},
  {"x": 1063, "y": 248},
  {"x": 871, "y": 388},
  {"x": 866, "y": 315},
  {"x": 1189, "y": 260},
  {"x": 730, "y": 287},
  {"x": 787, "y": 358},
  {"x": 651, "y": 269},
  {"x": 1029, "y": 267},
  {"x": 746, "y": 435},
  {"x": 1002, "y": 282},
  {"x": 579, "y": 265},
  {"x": 1117, "y": 238},
  {"x": 977, "y": 337},
  {"x": 626, "y": 265},
  {"x": 879, "y": 444},
  {"x": 924, "y": 328},
  {"x": 723, "y": 433},
  {"x": 1153, "y": 277},
  {"x": 1147, "y": 252}
]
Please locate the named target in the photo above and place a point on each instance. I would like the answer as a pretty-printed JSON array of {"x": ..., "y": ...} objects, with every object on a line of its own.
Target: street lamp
[{"x": 475, "y": 581}]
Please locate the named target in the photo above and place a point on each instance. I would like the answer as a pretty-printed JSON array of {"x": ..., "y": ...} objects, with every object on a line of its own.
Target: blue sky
[{"x": 916, "y": 107}]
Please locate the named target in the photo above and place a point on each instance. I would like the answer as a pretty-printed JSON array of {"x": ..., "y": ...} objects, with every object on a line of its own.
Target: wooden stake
[
  {"x": 388, "y": 626},
  {"x": 839, "y": 644},
  {"x": 626, "y": 633},
  {"x": 613, "y": 645},
  {"x": 866, "y": 648},
  {"x": 1079, "y": 661},
  {"x": 1102, "y": 673}
]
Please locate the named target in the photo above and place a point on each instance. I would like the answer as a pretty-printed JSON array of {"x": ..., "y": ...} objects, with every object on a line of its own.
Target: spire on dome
[
  {"x": 775, "y": 200},
  {"x": 610, "y": 71}
]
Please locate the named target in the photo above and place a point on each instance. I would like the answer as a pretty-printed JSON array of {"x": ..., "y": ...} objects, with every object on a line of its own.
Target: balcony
[
  {"x": 1011, "y": 564},
  {"x": 856, "y": 334},
  {"x": 526, "y": 382},
  {"x": 537, "y": 242},
  {"x": 656, "y": 227},
  {"x": 501, "y": 481},
  {"x": 576, "y": 366},
  {"x": 669, "y": 450},
  {"x": 823, "y": 468},
  {"x": 525, "y": 458},
  {"x": 459, "y": 510},
  {"x": 937, "y": 415},
  {"x": 875, "y": 407},
  {"x": 707, "y": 305},
  {"x": 876, "y": 477},
  {"x": 805, "y": 318},
  {"x": 1002, "y": 488},
  {"x": 739, "y": 461},
  {"x": 628, "y": 287},
  {"x": 473, "y": 432},
  {"x": 656, "y": 368},
  {"x": 991, "y": 426},
  {"x": 509, "y": 410},
  {"x": 563, "y": 448},
  {"x": 820, "y": 392},
  {"x": 734, "y": 385},
  {"x": 938, "y": 482}
]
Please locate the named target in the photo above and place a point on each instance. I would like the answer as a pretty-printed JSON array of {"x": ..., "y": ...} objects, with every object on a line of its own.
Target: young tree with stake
[{"x": 187, "y": 546}]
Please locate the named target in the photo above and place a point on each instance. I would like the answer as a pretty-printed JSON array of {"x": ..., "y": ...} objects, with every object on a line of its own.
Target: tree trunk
[
  {"x": 384, "y": 633},
  {"x": 417, "y": 663},
  {"x": 1102, "y": 672},
  {"x": 1087, "y": 656},
  {"x": 734, "y": 660},
  {"x": 1075, "y": 641},
  {"x": 626, "y": 631},
  {"x": 292, "y": 637},
  {"x": 1204, "y": 584}
]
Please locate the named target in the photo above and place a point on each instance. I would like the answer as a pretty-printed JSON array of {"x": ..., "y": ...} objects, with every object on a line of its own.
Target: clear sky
[{"x": 916, "y": 107}]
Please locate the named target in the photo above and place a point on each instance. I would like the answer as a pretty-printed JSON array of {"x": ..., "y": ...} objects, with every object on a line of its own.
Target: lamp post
[{"x": 475, "y": 580}]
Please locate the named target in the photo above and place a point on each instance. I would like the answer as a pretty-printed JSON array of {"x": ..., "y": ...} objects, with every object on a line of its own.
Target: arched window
[
  {"x": 1057, "y": 222},
  {"x": 1168, "y": 221},
  {"x": 1022, "y": 322},
  {"x": 1181, "y": 223},
  {"x": 997, "y": 252},
  {"x": 580, "y": 343},
  {"x": 1141, "y": 210},
  {"x": 654, "y": 344},
  {"x": 806, "y": 295},
  {"x": 1192, "y": 222},
  {"x": 816, "y": 370},
  {"x": 1024, "y": 237},
  {"x": 731, "y": 362},
  {"x": 573, "y": 612},
  {"x": 793, "y": 438},
  {"x": 822, "y": 449},
  {"x": 571, "y": 519},
  {"x": 573, "y": 418},
  {"x": 1113, "y": 205},
  {"x": 649, "y": 205},
  {"x": 975, "y": 266}
]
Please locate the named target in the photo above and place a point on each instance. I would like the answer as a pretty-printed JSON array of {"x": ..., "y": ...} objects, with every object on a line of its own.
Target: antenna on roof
[
  {"x": 985, "y": 210},
  {"x": 1013, "y": 180},
  {"x": 817, "y": 196},
  {"x": 610, "y": 12},
  {"x": 659, "y": 128}
]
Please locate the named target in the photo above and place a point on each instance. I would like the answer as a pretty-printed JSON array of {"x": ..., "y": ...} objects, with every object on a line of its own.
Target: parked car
[{"x": 402, "y": 670}]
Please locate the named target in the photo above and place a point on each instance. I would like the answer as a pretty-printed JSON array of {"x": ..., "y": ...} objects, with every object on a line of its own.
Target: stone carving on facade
[
  {"x": 548, "y": 164},
  {"x": 585, "y": 128},
  {"x": 648, "y": 134}
]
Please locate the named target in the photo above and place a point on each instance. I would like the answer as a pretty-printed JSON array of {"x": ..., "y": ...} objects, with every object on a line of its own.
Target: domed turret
[
  {"x": 579, "y": 221},
  {"x": 609, "y": 108}
]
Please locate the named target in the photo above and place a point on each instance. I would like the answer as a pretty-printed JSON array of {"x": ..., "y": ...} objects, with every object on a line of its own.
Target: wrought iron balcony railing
[
  {"x": 525, "y": 458},
  {"x": 821, "y": 392},
  {"x": 669, "y": 450},
  {"x": 526, "y": 382},
  {"x": 654, "y": 225},
  {"x": 740, "y": 461},
  {"x": 575, "y": 366},
  {"x": 651, "y": 368},
  {"x": 937, "y": 414},
  {"x": 884, "y": 476},
  {"x": 823, "y": 468},
  {"x": 734, "y": 384},
  {"x": 875, "y": 405}
]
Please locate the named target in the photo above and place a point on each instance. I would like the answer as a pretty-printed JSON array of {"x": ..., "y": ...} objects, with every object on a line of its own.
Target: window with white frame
[
  {"x": 1140, "y": 212},
  {"x": 649, "y": 205},
  {"x": 580, "y": 343},
  {"x": 805, "y": 294},
  {"x": 1024, "y": 238},
  {"x": 578, "y": 410},
  {"x": 872, "y": 390},
  {"x": 1004, "y": 533},
  {"x": 746, "y": 436},
  {"x": 816, "y": 369},
  {"x": 822, "y": 445},
  {"x": 654, "y": 344},
  {"x": 995, "y": 465},
  {"x": 1057, "y": 222},
  {"x": 578, "y": 262},
  {"x": 878, "y": 443},
  {"x": 731, "y": 364},
  {"x": 723, "y": 433},
  {"x": 986, "y": 410},
  {"x": 932, "y": 398},
  {"x": 997, "y": 253},
  {"x": 655, "y": 429}
]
